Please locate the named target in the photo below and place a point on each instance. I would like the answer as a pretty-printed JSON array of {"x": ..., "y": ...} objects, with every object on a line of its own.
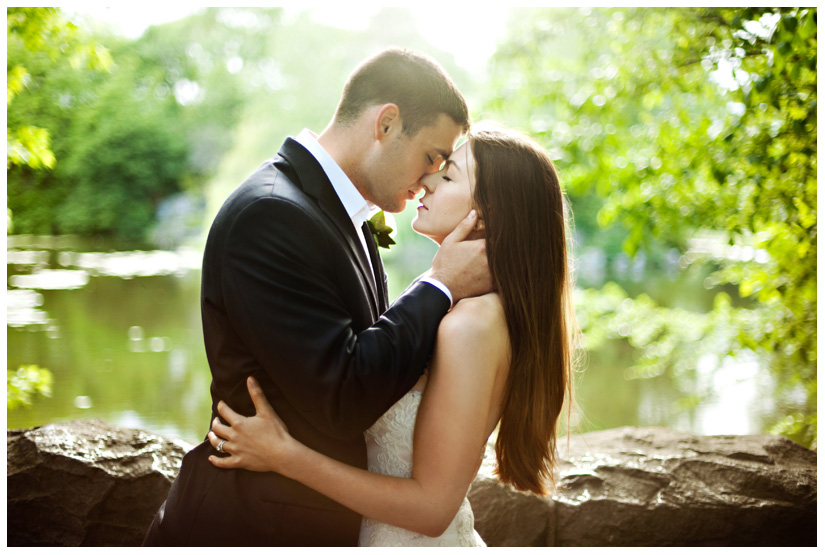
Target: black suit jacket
[{"x": 288, "y": 296}]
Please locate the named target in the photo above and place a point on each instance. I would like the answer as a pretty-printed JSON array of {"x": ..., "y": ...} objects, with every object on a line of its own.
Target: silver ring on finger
[{"x": 219, "y": 448}]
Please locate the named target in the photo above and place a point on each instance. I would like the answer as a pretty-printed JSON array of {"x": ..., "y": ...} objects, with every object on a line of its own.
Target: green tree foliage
[
  {"x": 200, "y": 66},
  {"x": 131, "y": 156},
  {"x": 117, "y": 155},
  {"x": 191, "y": 107},
  {"x": 126, "y": 140},
  {"x": 693, "y": 128},
  {"x": 46, "y": 31},
  {"x": 43, "y": 30},
  {"x": 25, "y": 383}
]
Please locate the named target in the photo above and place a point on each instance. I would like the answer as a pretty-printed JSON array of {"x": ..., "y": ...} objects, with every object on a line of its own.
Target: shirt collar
[{"x": 357, "y": 207}]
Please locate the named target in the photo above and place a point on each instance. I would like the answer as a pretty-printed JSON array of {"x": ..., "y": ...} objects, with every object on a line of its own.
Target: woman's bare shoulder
[
  {"x": 478, "y": 319},
  {"x": 473, "y": 346},
  {"x": 486, "y": 310}
]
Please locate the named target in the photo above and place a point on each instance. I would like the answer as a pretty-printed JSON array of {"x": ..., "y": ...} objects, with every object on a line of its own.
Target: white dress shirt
[{"x": 358, "y": 209}]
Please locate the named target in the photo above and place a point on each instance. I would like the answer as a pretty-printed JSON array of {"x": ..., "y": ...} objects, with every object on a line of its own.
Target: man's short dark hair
[{"x": 412, "y": 81}]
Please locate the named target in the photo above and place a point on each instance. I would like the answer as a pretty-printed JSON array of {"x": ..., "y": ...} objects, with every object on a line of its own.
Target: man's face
[{"x": 392, "y": 174}]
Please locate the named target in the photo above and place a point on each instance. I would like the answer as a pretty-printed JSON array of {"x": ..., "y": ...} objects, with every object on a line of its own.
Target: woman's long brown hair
[{"x": 520, "y": 199}]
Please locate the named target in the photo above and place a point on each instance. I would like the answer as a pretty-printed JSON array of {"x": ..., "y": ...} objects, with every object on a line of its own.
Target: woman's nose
[{"x": 429, "y": 182}]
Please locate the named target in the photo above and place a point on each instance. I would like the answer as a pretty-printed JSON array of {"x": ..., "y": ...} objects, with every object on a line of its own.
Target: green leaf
[{"x": 25, "y": 383}]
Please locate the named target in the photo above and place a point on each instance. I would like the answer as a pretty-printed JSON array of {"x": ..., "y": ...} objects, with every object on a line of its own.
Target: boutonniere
[{"x": 380, "y": 230}]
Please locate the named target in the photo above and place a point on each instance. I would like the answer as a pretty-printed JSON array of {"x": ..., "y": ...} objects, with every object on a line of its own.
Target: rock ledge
[
  {"x": 87, "y": 483},
  {"x": 660, "y": 487}
]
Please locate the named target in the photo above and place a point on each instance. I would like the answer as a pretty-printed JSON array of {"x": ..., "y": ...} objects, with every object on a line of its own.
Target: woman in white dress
[{"x": 503, "y": 359}]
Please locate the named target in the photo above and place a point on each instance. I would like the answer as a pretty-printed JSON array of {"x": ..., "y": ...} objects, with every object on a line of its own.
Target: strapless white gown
[{"x": 390, "y": 452}]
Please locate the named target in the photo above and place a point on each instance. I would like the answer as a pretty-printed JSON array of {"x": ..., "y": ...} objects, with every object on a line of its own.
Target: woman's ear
[{"x": 477, "y": 232}]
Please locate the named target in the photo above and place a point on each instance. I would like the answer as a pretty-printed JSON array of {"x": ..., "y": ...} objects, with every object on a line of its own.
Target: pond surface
[{"x": 121, "y": 333}]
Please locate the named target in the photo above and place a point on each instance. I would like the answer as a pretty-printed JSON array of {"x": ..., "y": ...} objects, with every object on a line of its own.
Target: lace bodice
[{"x": 390, "y": 452}]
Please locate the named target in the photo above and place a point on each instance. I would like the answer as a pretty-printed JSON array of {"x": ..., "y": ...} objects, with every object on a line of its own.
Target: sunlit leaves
[
  {"x": 117, "y": 155},
  {"x": 29, "y": 146},
  {"x": 712, "y": 113},
  {"x": 43, "y": 30},
  {"x": 25, "y": 383},
  {"x": 47, "y": 30},
  {"x": 798, "y": 425},
  {"x": 16, "y": 79}
]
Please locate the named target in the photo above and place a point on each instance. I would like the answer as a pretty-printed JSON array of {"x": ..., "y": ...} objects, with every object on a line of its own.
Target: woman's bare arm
[{"x": 458, "y": 410}]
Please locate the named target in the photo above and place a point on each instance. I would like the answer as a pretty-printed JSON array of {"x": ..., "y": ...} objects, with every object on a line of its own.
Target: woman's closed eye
[{"x": 445, "y": 169}]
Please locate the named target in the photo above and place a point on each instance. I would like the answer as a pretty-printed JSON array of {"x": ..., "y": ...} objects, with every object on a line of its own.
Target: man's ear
[{"x": 387, "y": 122}]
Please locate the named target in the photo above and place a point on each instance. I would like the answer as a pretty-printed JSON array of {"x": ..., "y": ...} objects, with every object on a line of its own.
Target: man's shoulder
[
  {"x": 269, "y": 197},
  {"x": 273, "y": 181}
]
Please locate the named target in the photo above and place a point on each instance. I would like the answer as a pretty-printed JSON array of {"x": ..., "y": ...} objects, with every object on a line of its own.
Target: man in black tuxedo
[{"x": 294, "y": 293}]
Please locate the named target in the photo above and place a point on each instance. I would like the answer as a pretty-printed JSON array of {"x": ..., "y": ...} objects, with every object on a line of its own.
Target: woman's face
[{"x": 448, "y": 196}]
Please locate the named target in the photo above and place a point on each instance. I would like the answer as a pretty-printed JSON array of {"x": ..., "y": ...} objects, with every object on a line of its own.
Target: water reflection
[
  {"x": 155, "y": 344},
  {"x": 27, "y": 257},
  {"x": 737, "y": 383},
  {"x": 121, "y": 333},
  {"x": 715, "y": 245},
  {"x": 137, "y": 263},
  {"x": 51, "y": 279},
  {"x": 119, "y": 330},
  {"x": 136, "y": 339},
  {"x": 21, "y": 308}
]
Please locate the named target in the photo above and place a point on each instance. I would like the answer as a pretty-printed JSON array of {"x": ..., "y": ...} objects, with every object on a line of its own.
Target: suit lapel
[
  {"x": 378, "y": 269},
  {"x": 312, "y": 179}
]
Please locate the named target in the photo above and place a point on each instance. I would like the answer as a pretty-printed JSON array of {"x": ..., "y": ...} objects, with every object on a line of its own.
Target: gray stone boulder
[
  {"x": 89, "y": 483},
  {"x": 86, "y": 483},
  {"x": 659, "y": 487}
]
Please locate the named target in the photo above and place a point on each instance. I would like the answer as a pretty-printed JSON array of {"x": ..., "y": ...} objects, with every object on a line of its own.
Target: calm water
[{"x": 121, "y": 333}]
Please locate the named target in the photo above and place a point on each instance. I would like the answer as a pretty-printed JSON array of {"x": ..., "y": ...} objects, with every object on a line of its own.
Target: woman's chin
[
  {"x": 425, "y": 233},
  {"x": 437, "y": 239},
  {"x": 418, "y": 228}
]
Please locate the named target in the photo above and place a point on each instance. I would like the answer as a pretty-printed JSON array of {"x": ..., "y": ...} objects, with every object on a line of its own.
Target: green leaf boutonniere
[{"x": 380, "y": 230}]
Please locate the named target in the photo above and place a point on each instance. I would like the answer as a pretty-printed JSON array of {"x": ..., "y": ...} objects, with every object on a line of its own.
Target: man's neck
[{"x": 344, "y": 148}]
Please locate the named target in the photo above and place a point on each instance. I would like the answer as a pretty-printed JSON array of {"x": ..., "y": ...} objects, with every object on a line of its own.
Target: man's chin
[{"x": 394, "y": 207}]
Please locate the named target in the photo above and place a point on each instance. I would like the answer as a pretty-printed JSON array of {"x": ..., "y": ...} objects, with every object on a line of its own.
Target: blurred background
[{"x": 685, "y": 139}]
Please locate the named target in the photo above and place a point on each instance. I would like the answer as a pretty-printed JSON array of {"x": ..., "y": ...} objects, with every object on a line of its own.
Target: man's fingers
[
  {"x": 262, "y": 406},
  {"x": 464, "y": 228}
]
